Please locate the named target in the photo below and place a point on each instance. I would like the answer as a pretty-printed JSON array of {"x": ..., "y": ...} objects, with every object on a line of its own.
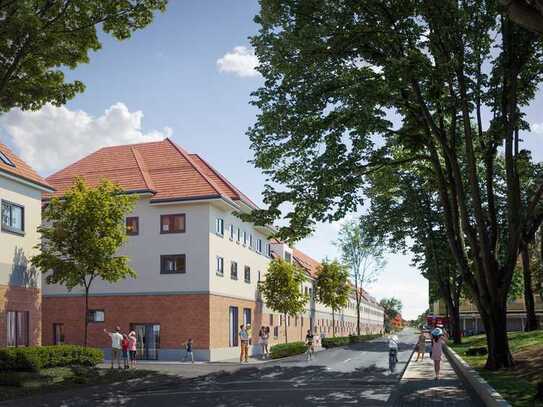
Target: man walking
[
  {"x": 244, "y": 344},
  {"x": 116, "y": 339}
]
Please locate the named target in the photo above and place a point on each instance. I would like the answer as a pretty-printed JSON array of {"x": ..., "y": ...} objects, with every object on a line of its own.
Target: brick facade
[
  {"x": 21, "y": 299},
  {"x": 179, "y": 316}
]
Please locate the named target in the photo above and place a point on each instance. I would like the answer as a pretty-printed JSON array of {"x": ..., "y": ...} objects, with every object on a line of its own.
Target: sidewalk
[{"x": 418, "y": 386}]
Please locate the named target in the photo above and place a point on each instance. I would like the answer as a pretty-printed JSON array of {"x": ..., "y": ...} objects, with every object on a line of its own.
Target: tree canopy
[
  {"x": 354, "y": 87},
  {"x": 81, "y": 234},
  {"x": 39, "y": 40}
]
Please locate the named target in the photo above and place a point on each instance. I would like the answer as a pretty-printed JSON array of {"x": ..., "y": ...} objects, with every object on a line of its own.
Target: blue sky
[{"x": 167, "y": 81}]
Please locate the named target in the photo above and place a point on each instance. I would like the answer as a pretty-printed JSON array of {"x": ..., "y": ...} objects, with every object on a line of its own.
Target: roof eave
[{"x": 25, "y": 180}]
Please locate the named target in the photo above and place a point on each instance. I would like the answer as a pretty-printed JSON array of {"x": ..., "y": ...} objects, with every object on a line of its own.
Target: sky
[{"x": 188, "y": 76}]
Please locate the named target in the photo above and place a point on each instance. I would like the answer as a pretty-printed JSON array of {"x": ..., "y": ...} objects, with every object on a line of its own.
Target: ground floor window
[
  {"x": 17, "y": 328},
  {"x": 58, "y": 334},
  {"x": 148, "y": 340},
  {"x": 233, "y": 327}
]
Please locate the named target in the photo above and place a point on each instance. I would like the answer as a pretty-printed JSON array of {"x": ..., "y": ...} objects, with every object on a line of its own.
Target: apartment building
[
  {"x": 20, "y": 297},
  {"x": 197, "y": 263}
]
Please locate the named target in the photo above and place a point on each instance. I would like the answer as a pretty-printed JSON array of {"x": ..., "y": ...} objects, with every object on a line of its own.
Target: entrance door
[
  {"x": 233, "y": 324},
  {"x": 148, "y": 336}
]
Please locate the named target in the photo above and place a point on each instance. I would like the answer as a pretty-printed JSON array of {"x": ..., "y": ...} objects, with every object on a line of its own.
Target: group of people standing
[
  {"x": 125, "y": 345},
  {"x": 438, "y": 338}
]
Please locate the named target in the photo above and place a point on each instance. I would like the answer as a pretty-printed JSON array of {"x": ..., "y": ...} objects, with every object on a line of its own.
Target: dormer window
[{"x": 4, "y": 158}]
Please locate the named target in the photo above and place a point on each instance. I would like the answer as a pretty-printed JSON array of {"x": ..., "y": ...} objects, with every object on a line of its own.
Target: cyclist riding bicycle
[
  {"x": 309, "y": 344},
  {"x": 393, "y": 348}
]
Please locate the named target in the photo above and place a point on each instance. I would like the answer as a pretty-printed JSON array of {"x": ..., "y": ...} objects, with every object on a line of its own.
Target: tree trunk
[
  {"x": 86, "y": 316},
  {"x": 357, "y": 316},
  {"x": 531, "y": 317},
  {"x": 495, "y": 323},
  {"x": 454, "y": 319},
  {"x": 333, "y": 324},
  {"x": 286, "y": 327}
]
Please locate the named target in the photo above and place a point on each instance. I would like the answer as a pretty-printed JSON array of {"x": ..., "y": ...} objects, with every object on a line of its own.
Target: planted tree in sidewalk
[
  {"x": 281, "y": 290},
  {"x": 81, "y": 235},
  {"x": 41, "y": 39},
  {"x": 363, "y": 255},
  {"x": 332, "y": 287},
  {"x": 333, "y": 71}
]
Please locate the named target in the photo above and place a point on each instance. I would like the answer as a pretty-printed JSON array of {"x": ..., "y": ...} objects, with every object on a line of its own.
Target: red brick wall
[
  {"x": 21, "y": 299},
  {"x": 179, "y": 316}
]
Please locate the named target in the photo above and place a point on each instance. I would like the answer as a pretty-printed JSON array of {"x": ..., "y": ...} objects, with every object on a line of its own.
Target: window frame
[
  {"x": 56, "y": 340},
  {"x": 8, "y": 228},
  {"x": 137, "y": 219},
  {"x": 244, "y": 238},
  {"x": 232, "y": 276},
  {"x": 259, "y": 245},
  {"x": 164, "y": 257},
  {"x": 247, "y": 272},
  {"x": 231, "y": 230},
  {"x": 94, "y": 321},
  {"x": 219, "y": 271},
  {"x": 16, "y": 328},
  {"x": 219, "y": 226},
  {"x": 173, "y": 215}
]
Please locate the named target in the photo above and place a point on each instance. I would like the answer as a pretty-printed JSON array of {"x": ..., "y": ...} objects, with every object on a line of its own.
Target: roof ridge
[
  {"x": 143, "y": 168},
  {"x": 187, "y": 157}
]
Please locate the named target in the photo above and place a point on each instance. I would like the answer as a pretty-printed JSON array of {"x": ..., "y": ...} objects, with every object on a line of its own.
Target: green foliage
[
  {"x": 281, "y": 288},
  {"x": 346, "y": 340},
  {"x": 40, "y": 357},
  {"x": 40, "y": 39},
  {"x": 332, "y": 287},
  {"x": 287, "y": 349},
  {"x": 81, "y": 235},
  {"x": 392, "y": 308}
]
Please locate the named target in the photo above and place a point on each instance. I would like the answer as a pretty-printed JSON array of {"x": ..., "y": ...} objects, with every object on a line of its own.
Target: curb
[
  {"x": 394, "y": 396},
  {"x": 480, "y": 387}
]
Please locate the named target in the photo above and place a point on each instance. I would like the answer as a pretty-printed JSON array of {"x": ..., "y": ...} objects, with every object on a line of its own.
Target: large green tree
[
  {"x": 335, "y": 73},
  {"x": 281, "y": 290},
  {"x": 39, "y": 39},
  {"x": 332, "y": 287},
  {"x": 392, "y": 308},
  {"x": 81, "y": 234},
  {"x": 364, "y": 257}
]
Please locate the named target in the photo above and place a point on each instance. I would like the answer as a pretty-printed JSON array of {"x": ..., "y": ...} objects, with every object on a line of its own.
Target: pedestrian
[
  {"x": 125, "y": 343},
  {"x": 421, "y": 346},
  {"x": 261, "y": 333},
  {"x": 309, "y": 339},
  {"x": 188, "y": 351},
  {"x": 116, "y": 338},
  {"x": 265, "y": 341},
  {"x": 439, "y": 338},
  {"x": 132, "y": 347},
  {"x": 244, "y": 344}
]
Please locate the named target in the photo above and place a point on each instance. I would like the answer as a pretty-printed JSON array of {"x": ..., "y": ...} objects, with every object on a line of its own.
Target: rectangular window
[
  {"x": 245, "y": 238},
  {"x": 58, "y": 334},
  {"x": 259, "y": 276},
  {"x": 271, "y": 319},
  {"x": 234, "y": 270},
  {"x": 296, "y": 321},
  {"x": 220, "y": 266},
  {"x": 305, "y": 291},
  {"x": 96, "y": 315},
  {"x": 246, "y": 316},
  {"x": 276, "y": 332},
  {"x": 259, "y": 245},
  {"x": 174, "y": 223},
  {"x": 288, "y": 257},
  {"x": 239, "y": 235},
  {"x": 4, "y": 158},
  {"x": 219, "y": 226},
  {"x": 233, "y": 327},
  {"x": 231, "y": 230},
  {"x": 13, "y": 219},
  {"x": 172, "y": 263},
  {"x": 247, "y": 274},
  {"x": 132, "y": 225},
  {"x": 17, "y": 328},
  {"x": 250, "y": 241},
  {"x": 301, "y": 321},
  {"x": 268, "y": 250}
]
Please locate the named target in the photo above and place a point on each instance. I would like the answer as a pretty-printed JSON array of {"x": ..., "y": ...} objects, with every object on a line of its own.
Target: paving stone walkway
[{"x": 418, "y": 387}]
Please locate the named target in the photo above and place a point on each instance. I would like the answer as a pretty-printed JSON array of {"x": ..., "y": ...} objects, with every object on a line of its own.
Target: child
[
  {"x": 132, "y": 346},
  {"x": 188, "y": 351},
  {"x": 124, "y": 346}
]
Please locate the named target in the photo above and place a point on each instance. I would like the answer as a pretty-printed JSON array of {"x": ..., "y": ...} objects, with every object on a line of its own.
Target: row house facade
[
  {"x": 197, "y": 263},
  {"x": 20, "y": 283}
]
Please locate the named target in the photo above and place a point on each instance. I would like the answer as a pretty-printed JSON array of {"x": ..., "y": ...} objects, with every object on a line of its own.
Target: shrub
[
  {"x": 539, "y": 393},
  {"x": 346, "y": 340},
  {"x": 480, "y": 351},
  {"x": 38, "y": 357},
  {"x": 287, "y": 349}
]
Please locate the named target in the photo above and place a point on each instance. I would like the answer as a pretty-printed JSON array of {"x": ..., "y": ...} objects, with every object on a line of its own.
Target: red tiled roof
[
  {"x": 308, "y": 263},
  {"x": 162, "y": 168},
  {"x": 21, "y": 169}
]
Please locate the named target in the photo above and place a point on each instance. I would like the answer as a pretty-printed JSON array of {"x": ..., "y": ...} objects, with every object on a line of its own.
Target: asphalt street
[{"x": 336, "y": 377}]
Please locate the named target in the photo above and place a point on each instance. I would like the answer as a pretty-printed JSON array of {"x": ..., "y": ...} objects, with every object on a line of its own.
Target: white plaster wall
[
  {"x": 16, "y": 247},
  {"x": 232, "y": 250},
  {"x": 145, "y": 249}
]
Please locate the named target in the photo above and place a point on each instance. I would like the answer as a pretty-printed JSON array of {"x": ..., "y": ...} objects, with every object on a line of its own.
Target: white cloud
[
  {"x": 537, "y": 128},
  {"x": 54, "y": 137},
  {"x": 241, "y": 61}
]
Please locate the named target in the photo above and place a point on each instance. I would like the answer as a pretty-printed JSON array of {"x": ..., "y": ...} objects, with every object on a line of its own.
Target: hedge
[
  {"x": 346, "y": 340},
  {"x": 287, "y": 349},
  {"x": 38, "y": 357}
]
